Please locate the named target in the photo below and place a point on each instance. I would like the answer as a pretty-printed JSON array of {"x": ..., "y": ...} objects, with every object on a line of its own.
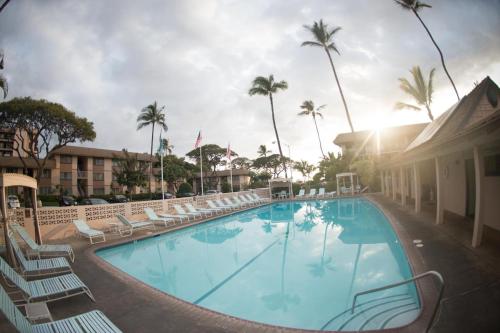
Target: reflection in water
[{"x": 216, "y": 235}]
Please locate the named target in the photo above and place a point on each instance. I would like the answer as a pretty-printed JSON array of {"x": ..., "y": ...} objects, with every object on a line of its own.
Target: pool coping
[{"x": 416, "y": 263}]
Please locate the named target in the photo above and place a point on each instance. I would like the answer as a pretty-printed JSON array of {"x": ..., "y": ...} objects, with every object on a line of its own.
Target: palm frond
[
  {"x": 406, "y": 86},
  {"x": 4, "y": 85},
  {"x": 307, "y": 105},
  {"x": 311, "y": 43},
  {"x": 282, "y": 85},
  {"x": 258, "y": 91},
  {"x": 304, "y": 113},
  {"x": 419, "y": 5},
  {"x": 318, "y": 114},
  {"x": 321, "y": 107},
  {"x": 401, "y": 105},
  {"x": 405, "y": 4},
  {"x": 430, "y": 86}
]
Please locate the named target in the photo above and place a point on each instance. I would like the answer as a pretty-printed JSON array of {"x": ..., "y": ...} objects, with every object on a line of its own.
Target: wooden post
[
  {"x": 393, "y": 184},
  {"x": 417, "y": 188},
  {"x": 402, "y": 187},
  {"x": 477, "y": 234},
  {"x": 382, "y": 183},
  {"x": 439, "y": 191}
]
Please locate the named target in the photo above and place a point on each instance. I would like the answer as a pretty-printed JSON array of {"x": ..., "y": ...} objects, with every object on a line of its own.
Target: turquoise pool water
[{"x": 294, "y": 264}]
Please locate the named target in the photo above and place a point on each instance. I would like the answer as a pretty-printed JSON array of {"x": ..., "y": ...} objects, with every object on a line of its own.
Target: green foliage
[
  {"x": 304, "y": 168},
  {"x": 46, "y": 126},
  {"x": 176, "y": 168},
  {"x": 185, "y": 188},
  {"x": 241, "y": 163},
  {"x": 130, "y": 171},
  {"x": 271, "y": 164},
  {"x": 307, "y": 108},
  {"x": 212, "y": 156},
  {"x": 323, "y": 36},
  {"x": 412, "y": 4},
  {"x": 421, "y": 91},
  {"x": 3, "y": 81},
  {"x": 225, "y": 187},
  {"x": 263, "y": 151},
  {"x": 368, "y": 173}
]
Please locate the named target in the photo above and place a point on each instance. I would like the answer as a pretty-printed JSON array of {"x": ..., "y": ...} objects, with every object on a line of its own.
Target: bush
[
  {"x": 225, "y": 187},
  {"x": 185, "y": 188}
]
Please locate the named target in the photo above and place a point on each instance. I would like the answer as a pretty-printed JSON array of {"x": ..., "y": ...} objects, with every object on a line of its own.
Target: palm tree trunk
[
  {"x": 151, "y": 162},
  {"x": 340, "y": 90},
  {"x": 440, "y": 53},
  {"x": 277, "y": 136},
  {"x": 319, "y": 138},
  {"x": 429, "y": 113},
  {"x": 4, "y": 5}
]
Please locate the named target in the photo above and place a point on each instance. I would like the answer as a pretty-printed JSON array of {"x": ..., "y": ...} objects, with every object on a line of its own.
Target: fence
[{"x": 56, "y": 222}]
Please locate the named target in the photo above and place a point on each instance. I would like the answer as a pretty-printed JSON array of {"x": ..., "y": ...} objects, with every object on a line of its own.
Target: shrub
[
  {"x": 225, "y": 187},
  {"x": 185, "y": 188}
]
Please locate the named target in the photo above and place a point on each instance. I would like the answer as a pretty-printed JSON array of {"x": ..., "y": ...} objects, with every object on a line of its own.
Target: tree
[
  {"x": 308, "y": 109},
  {"x": 263, "y": 151},
  {"x": 304, "y": 168},
  {"x": 241, "y": 163},
  {"x": 421, "y": 91},
  {"x": 176, "y": 169},
  {"x": 212, "y": 156},
  {"x": 167, "y": 147},
  {"x": 185, "y": 188},
  {"x": 323, "y": 37},
  {"x": 3, "y": 81},
  {"x": 152, "y": 115},
  {"x": 415, "y": 6},
  {"x": 41, "y": 127},
  {"x": 130, "y": 171},
  {"x": 267, "y": 87}
]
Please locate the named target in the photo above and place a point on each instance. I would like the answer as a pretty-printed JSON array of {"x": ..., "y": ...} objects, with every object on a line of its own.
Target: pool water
[{"x": 293, "y": 264}]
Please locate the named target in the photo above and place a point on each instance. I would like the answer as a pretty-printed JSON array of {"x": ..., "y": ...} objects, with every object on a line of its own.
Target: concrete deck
[{"x": 471, "y": 301}]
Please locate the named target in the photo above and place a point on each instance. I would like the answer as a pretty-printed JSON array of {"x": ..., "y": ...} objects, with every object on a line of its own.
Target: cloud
[{"x": 107, "y": 60}]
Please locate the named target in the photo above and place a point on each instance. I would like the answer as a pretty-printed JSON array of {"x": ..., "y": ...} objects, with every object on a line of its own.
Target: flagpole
[
  {"x": 161, "y": 166},
  {"x": 201, "y": 169},
  {"x": 231, "y": 173}
]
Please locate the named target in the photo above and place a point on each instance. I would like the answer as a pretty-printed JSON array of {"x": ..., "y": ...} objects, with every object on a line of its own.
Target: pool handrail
[{"x": 416, "y": 277}]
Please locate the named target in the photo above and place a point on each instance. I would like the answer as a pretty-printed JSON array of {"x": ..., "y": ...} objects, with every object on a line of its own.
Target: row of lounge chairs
[
  {"x": 185, "y": 212},
  {"x": 312, "y": 193},
  {"x": 51, "y": 279}
]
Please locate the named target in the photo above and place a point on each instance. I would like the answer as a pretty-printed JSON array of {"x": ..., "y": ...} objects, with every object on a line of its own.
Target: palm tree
[
  {"x": 421, "y": 91},
  {"x": 323, "y": 37},
  {"x": 167, "y": 147},
  {"x": 308, "y": 109},
  {"x": 415, "y": 6},
  {"x": 152, "y": 115},
  {"x": 266, "y": 86},
  {"x": 304, "y": 168},
  {"x": 263, "y": 151},
  {"x": 3, "y": 81}
]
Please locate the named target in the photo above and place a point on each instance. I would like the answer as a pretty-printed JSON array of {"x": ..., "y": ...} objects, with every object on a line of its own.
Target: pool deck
[{"x": 471, "y": 301}]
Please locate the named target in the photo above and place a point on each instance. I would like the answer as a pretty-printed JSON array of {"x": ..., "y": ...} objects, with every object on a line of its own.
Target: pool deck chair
[
  {"x": 240, "y": 202},
  {"x": 190, "y": 209},
  {"x": 321, "y": 192},
  {"x": 133, "y": 225},
  {"x": 250, "y": 202},
  {"x": 150, "y": 213},
  {"x": 48, "y": 289},
  {"x": 193, "y": 209},
  {"x": 312, "y": 193},
  {"x": 256, "y": 196},
  {"x": 90, "y": 322},
  {"x": 228, "y": 202},
  {"x": 175, "y": 216},
  {"x": 252, "y": 199},
  {"x": 39, "y": 267},
  {"x": 212, "y": 204},
  {"x": 181, "y": 211},
  {"x": 301, "y": 193},
  {"x": 43, "y": 251},
  {"x": 94, "y": 235}
]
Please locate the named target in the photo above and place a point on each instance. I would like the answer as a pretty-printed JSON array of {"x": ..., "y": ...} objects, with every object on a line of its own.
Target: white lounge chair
[
  {"x": 85, "y": 231},
  {"x": 193, "y": 209},
  {"x": 312, "y": 193},
  {"x": 321, "y": 192},
  {"x": 90, "y": 322},
  {"x": 223, "y": 204},
  {"x": 178, "y": 217},
  {"x": 240, "y": 202},
  {"x": 256, "y": 196},
  {"x": 48, "y": 289},
  {"x": 190, "y": 209},
  {"x": 180, "y": 210},
  {"x": 133, "y": 225},
  {"x": 246, "y": 200},
  {"x": 150, "y": 213},
  {"x": 212, "y": 204},
  {"x": 45, "y": 250},
  {"x": 301, "y": 193},
  {"x": 39, "y": 267},
  {"x": 228, "y": 202}
]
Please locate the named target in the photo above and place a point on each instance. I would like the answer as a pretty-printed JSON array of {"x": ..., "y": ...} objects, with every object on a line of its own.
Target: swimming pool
[{"x": 293, "y": 264}]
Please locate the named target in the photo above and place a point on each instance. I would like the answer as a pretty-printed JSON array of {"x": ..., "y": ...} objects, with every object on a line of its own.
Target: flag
[
  {"x": 228, "y": 153},
  {"x": 198, "y": 140}
]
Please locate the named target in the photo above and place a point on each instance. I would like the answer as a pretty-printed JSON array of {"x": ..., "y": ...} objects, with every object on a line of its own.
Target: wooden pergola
[
  {"x": 15, "y": 179},
  {"x": 349, "y": 175},
  {"x": 280, "y": 182}
]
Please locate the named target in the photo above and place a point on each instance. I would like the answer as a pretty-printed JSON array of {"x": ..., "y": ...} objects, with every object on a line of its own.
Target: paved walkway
[{"x": 471, "y": 302}]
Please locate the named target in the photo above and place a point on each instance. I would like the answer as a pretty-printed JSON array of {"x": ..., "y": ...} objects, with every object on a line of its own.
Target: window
[
  {"x": 492, "y": 165},
  {"x": 44, "y": 190},
  {"x": 66, "y": 159},
  {"x": 65, "y": 175},
  {"x": 98, "y": 176},
  {"x": 46, "y": 173},
  {"x": 98, "y": 161},
  {"x": 99, "y": 191},
  {"x": 11, "y": 170}
]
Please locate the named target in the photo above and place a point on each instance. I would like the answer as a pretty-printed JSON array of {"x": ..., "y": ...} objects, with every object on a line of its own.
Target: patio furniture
[
  {"x": 174, "y": 216},
  {"x": 180, "y": 210},
  {"x": 211, "y": 204},
  {"x": 89, "y": 322},
  {"x": 150, "y": 213},
  {"x": 191, "y": 208},
  {"x": 87, "y": 232},
  {"x": 312, "y": 193},
  {"x": 321, "y": 192},
  {"x": 301, "y": 193},
  {"x": 39, "y": 267},
  {"x": 246, "y": 200},
  {"x": 240, "y": 202},
  {"x": 133, "y": 225},
  {"x": 46, "y": 250},
  {"x": 256, "y": 196},
  {"x": 49, "y": 289},
  {"x": 228, "y": 202}
]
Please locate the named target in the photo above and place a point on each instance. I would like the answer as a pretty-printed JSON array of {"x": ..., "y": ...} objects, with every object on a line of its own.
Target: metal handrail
[{"x": 416, "y": 277}]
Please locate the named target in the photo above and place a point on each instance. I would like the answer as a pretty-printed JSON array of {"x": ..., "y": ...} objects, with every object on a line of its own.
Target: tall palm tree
[
  {"x": 167, "y": 147},
  {"x": 3, "y": 81},
  {"x": 415, "y": 6},
  {"x": 304, "y": 168},
  {"x": 421, "y": 91},
  {"x": 152, "y": 115},
  {"x": 266, "y": 86},
  {"x": 308, "y": 109},
  {"x": 323, "y": 37},
  {"x": 263, "y": 151}
]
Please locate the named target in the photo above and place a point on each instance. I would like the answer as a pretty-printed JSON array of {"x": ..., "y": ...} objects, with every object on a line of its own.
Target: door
[{"x": 470, "y": 180}]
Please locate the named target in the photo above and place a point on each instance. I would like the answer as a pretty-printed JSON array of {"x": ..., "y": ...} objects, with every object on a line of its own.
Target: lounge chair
[
  {"x": 175, "y": 216},
  {"x": 49, "y": 289},
  {"x": 256, "y": 196},
  {"x": 240, "y": 202},
  {"x": 190, "y": 209},
  {"x": 251, "y": 199},
  {"x": 246, "y": 201},
  {"x": 150, "y": 213},
  {"x": 301, "y": 193},
  {"x": 180, "y": 210},
  {"x": 312, "y": 193},
  {"x": 230, "y": 206},
  {"x": 39, "y": 267},
  {"x": 43, "y": 251},
  {"x": 85, "y": 231},
  {"x": 194, "y": 209},
  {"x": 228, "y": 202},
  {"x": 89, "y": 322},
  {"x": 212, "y": 204},
  {"x": 321, "y": 192},
  {"x": 133, "y": 225}
]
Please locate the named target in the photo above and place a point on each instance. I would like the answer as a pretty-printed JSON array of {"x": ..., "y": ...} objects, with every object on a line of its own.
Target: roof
[
  {"x": 15, "y": 162},
  {"x": 97, "y": 152},
  {"x": 387, "y": 132},
  {"x": 471, "y": 113}
]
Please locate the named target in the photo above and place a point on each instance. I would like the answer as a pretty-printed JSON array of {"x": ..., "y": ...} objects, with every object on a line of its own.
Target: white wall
[{"x": 454, "y": 184}]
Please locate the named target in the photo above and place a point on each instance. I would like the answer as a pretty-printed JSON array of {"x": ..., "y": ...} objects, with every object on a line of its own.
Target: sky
[{"x": 106, "y": 60}]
